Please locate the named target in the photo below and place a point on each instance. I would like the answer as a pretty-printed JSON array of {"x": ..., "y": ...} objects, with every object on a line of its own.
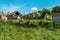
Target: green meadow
[{"x": 45, "y": 31}]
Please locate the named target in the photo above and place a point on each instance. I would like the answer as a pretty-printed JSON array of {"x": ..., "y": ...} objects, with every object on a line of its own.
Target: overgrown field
[{"x": 29, "y": 30}]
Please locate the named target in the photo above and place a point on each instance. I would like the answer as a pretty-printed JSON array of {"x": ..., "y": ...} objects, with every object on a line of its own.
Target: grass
[{"x": 12, "y": 32}]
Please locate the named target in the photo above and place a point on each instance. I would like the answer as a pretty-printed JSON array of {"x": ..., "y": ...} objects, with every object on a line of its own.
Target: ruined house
[{"x": 12, "y": 15}]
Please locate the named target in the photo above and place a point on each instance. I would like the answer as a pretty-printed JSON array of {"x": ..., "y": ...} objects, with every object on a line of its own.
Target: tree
[
  {"x": 44, "y": 11},
  {"x": 56, "y": 9},
  {"x": 28, "y": 16},
  {"x": 17, "y": 13},
  {"x": 40, "y": 11}
]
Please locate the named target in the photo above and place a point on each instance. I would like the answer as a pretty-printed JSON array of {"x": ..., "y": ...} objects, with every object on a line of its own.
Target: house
[
  {"x": 13, "y": 15},
  {"x": 46, "y": 15},
  {"x": 3, "y": 16},
  {"x": 33, "y": 15},
  {"x": 56, "y": 16},
  {"x": 50, "y": 17},
  {"x": 10, "y": 16},
  {"x": 17, "y": 15}
]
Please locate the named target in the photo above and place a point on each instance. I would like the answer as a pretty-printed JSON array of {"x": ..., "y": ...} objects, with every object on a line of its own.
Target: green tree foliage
[
  {"x": 40, "y": 11},
  {"x": 17, "y": 13},
  {"x": 44, "y": 11},
  {"x": 28, "y": 16},
  {"x": 56, "y": 9}
]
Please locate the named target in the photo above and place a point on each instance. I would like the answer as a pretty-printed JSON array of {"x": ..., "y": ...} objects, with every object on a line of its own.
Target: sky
[{"x": 26, "y": 6}]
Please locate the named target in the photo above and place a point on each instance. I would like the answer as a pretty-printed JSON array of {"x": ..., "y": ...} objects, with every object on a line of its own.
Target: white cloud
[
  {"x": 13, "y": 8},
  {"x": 10, "y": 8},
  {"x": 34, "y": 8}
]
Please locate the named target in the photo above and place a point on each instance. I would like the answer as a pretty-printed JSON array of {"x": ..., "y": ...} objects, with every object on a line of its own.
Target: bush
[
  {"x": 22, "y": 22},
  {"x": 33, "y": 23},
  {"x": 41, "y": 23},
  {"x": 29, "y": 23},
  {"x": 49, "y": 24},
  {"x": 10, "y": 22},
  {"x": 36, "y": 23}
]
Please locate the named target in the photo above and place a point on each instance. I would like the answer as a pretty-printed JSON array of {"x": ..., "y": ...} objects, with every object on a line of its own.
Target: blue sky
[{"x": 24, "y": 6}]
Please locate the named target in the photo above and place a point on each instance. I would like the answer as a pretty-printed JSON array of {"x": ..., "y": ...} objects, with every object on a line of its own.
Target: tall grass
[{"x": 9, "y": 30}]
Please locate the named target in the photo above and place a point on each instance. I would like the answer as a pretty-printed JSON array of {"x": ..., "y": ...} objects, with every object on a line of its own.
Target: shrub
[
  {"x": 10, "y": 22},
  {"x": 22, "y": 22},
  {"x": 49, "y": 24},
  {"x": 36, "y": 23},
  {"x": 41, "y": 23},
  {"x": 33, "y": 23},
  {"x": 27, "y": 23}
]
